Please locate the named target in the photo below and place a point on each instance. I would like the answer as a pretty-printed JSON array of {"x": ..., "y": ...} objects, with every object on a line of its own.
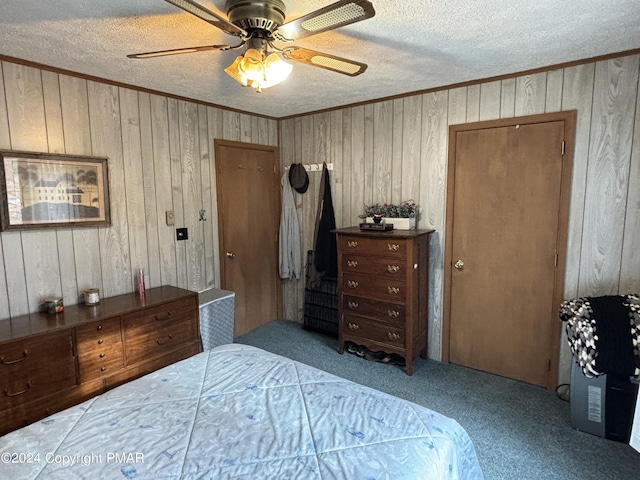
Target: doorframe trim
[{"x": 569, "y": 119}]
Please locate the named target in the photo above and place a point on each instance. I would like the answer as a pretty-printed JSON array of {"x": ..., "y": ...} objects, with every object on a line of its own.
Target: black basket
[{"x": 320, "y": 303}]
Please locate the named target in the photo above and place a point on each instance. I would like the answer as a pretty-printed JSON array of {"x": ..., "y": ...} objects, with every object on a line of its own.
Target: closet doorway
[
  {"x": 506, "y": 235},
  {"x": 248, "y": 194}
]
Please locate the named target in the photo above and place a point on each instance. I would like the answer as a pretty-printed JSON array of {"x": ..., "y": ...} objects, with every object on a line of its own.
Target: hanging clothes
[
  {"x": 604, "y": 334},
  {"x": 325, "y": 246},
  {"x": 290, "y": 248}
]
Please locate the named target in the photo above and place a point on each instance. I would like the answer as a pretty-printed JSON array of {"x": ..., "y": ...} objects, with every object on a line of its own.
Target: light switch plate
[
  {"x": 182, "y": 234},
  {"x": 171, "y": 217}
]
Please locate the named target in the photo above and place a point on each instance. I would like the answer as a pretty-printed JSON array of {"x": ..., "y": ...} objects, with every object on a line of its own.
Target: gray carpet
[{"x": 520, "y": 431}]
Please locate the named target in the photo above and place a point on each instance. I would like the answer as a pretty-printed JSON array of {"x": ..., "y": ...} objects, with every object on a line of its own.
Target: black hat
[{"x": 298, "y": 177}]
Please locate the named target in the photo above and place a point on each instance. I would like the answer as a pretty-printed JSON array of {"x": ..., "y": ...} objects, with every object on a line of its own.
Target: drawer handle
[
  {"x": 102, "y": 355},
  {"x": 352, "y": 263},
  {"x": 7, "y": 394},
  {"x": 393, "y": 268},
  {"x": 394, "y": 336},
  {"x": 353, "y": 326},
  {"x": 352, "y": 305},
  {"x": 169, "y": 338},
  {"x": 393, "y": 290},
  {"x": 393, "y": 313},
  {"x": 11, "y": 362},
  {"x": 102, "y": 369},
  {"x": 99, "y": 327},
  {"x": 352, "y": 284},
  {"x": 352, "y": 244},
  {"x": 100, "y": 342},
  {"x": 393, "y": 247},
  {"x": 166, "y": 317}
]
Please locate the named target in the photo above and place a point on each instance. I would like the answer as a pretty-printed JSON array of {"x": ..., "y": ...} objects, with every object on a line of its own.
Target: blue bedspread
[{"x": 240, "y": 412}]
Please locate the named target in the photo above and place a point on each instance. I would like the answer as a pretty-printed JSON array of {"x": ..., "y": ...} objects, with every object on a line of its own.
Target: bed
[{"x": 240, "y": 412}]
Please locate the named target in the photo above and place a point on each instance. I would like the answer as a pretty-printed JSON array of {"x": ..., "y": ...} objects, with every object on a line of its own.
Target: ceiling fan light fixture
[
  {"x": 251, "y": 66},
  {"x": 252, "y": 69},
  {"x": 276, "y": 70},
  {"x": 233, "y": 71}
]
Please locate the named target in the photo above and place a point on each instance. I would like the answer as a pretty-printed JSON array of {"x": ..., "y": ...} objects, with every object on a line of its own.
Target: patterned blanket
[{"x": 604, "y": 334}]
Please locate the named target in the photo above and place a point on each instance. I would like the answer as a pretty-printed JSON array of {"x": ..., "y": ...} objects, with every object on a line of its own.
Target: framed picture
[{"x": 41, "y": 190}]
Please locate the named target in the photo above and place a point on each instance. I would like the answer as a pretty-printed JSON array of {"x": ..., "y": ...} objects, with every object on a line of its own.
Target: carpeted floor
[{"x": 520, "y": 431}]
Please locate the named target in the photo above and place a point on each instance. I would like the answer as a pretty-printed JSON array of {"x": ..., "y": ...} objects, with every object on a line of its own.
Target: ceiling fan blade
[
  {"x": 177, "y": 51},
  {"x": 338, "y": 14},
  {"x": 208, "y": 16},
  {"x": 324, "y": 60}
]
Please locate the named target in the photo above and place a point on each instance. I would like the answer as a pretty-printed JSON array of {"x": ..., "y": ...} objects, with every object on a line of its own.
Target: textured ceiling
[{"x": 408, "y": 45}]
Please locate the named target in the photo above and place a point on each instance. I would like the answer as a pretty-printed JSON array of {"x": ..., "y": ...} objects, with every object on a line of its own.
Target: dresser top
[
  {"x": 73, "y": 315},
  {"x": 379, "y": 234}
]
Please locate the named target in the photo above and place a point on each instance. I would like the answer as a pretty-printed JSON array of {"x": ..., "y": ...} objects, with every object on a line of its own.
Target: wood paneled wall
[
  {"x": 397, "y": 150},
  {"x": 161, "y": 158}
]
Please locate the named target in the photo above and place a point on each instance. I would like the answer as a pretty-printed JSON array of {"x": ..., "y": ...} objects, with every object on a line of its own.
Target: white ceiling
[{"x": 408, "y": 45}]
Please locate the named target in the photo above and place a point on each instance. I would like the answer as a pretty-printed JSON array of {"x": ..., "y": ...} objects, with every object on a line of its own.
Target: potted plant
[{"x": 403, "y": 215}]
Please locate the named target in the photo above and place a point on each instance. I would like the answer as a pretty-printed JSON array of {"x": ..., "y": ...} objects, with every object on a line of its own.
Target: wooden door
[
  {"x": 248, "y": 192},
  {"x": 506, "y": 235}
]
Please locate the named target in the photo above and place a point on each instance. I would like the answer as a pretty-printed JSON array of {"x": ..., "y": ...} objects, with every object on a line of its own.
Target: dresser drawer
[
  {"x": 391, "y": 267},
  {"x": 377, "y": 288},
  {"x": 36, "y": 409},
  {"x": 385, "y": 312},
  {"x": 359, "y": 327},
  {"x": 389, "y": 247},
  {"x": 101, "y": 362},
  {"x": 98, "y": 365},
  {"x": 96, "y": 335},
  {"x": 160, "y": 330},
  {"x": 34, "y": 367}
]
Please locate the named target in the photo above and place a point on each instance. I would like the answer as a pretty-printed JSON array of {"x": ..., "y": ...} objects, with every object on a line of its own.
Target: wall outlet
[{"x": 182, "y": 234}]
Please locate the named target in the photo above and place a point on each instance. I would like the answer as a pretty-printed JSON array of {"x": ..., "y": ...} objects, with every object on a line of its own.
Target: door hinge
[
  {"x": 549, "y": 365},
  {"x": 555, "y": 260},
  {"x": 563, "y": 147}
]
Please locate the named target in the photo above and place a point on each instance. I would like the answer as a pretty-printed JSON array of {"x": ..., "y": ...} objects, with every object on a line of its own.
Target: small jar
[
  {"x": 92, "y": 296},
  {"x": 53, "y": 305}
]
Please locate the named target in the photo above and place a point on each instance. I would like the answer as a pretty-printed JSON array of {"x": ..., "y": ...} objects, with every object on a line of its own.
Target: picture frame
[{"x": 43, "y": 190}]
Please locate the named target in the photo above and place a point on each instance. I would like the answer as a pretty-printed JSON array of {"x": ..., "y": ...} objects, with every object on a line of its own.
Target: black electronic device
[{"x": 378, "y": 227}]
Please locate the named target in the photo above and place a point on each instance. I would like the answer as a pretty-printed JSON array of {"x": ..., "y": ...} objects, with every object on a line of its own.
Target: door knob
[
  {"x": 231, "y": 255},
  {"x": 459, "y": 264}
]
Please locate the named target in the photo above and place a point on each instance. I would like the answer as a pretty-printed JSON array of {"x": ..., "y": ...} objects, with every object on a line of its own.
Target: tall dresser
[{"x": 383, "y": 291}]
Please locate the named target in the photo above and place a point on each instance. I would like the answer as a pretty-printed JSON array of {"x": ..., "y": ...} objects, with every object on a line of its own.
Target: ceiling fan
[{"x": 260, "y": 23}]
